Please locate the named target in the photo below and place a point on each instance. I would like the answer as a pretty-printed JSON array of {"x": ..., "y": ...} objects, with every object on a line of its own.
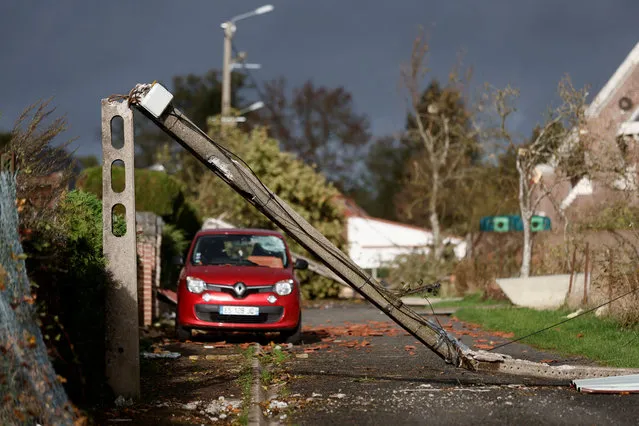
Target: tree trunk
[
  {"x": 527, "y": 251},
  {"x": 526, "y": 215},
  {"x": 470, "y": 243},
  {"x": 434, "y": 219}
]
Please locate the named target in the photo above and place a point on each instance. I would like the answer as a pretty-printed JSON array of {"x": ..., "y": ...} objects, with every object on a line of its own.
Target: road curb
[{"x": 255, "y": 416}]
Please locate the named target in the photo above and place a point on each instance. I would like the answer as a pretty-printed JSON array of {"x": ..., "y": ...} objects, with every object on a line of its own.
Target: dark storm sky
[{"x": 81, "y": 51}]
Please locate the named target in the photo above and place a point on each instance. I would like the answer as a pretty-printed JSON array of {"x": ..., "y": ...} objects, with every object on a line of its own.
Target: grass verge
[
  {"x": 475, "y": 299},
  {"x": 601, "y": 340}
]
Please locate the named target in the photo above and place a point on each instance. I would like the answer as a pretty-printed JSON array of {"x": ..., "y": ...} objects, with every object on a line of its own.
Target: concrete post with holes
[{"x": 123, "y": 352}]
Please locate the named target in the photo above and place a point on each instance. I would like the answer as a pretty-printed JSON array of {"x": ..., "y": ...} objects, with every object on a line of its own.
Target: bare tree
[
  {"x": 446, "y": 143},
  {"x": 557, "y": 143}
]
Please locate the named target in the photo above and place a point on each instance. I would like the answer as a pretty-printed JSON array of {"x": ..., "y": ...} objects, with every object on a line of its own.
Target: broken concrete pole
[
  {"x": 123, "y": 354},
  {"x": 240, "y": 178}
]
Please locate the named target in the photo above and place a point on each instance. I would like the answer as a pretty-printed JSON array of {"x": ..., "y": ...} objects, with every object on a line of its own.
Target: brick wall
[
  {"x": 146, "y": 264},
  {"x": 149, "y": 241}
]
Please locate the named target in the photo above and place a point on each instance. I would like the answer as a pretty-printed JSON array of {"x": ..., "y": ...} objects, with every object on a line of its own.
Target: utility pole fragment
[{"x": 123, "y": 351}]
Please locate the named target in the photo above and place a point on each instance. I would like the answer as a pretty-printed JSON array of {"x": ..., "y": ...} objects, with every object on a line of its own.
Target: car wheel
[
  {"x": 293, "y": 336},
  {"x": 181, "y": 332}
]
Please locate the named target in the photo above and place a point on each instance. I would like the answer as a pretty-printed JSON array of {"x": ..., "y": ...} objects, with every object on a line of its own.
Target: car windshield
[{"x": 240, "y": 250}]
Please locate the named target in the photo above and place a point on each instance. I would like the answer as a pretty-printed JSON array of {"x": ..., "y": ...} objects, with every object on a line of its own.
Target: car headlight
[
  {"x": 284, "y": 287},
  {"x": 195, "y": 285}
]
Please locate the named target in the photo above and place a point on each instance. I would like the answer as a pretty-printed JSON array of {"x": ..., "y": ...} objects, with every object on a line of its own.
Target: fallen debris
[
  {"x": 575, "y": 314},
  {"x": 615, "y": 384},
  {"x": 121, "y": 401},
  {"x": 191, "y": 405}
]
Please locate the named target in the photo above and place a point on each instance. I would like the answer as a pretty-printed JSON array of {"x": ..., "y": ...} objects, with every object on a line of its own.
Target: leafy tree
[
  {"x": 385, "y": 176},
  {"x": 319, "y": 125},
  {"x": 301, "y": 186}
]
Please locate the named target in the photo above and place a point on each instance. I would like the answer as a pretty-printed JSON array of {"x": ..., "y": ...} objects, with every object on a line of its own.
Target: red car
[{"x": 239, "y": 280}]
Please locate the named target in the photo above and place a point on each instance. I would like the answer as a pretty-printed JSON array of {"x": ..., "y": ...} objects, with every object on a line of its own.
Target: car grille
[
  {"x": 228, "y": 289},
  {"x": 211, "y": 313}
]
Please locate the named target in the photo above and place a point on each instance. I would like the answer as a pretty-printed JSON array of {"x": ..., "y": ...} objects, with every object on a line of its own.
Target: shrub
[
  {"x": 619, "y": 215},
  {"x": 44, "y": 164},
  {"x": 410, "y": 271},
  {"x": 66, "y": 264}
]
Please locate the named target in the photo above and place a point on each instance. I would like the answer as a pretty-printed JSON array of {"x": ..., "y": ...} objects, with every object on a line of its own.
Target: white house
[{"x": 374, "y": 243}]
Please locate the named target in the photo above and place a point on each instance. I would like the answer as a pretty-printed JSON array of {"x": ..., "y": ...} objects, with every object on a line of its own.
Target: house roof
[
  {"x": 615, "y": 82},
  {"x": 350, "y": 207}
]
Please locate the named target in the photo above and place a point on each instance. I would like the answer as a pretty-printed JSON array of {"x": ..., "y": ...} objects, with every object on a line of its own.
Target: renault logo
[{"x": 240, "y": 289}]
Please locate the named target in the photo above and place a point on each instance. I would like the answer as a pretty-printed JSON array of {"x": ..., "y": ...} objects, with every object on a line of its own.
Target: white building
[{"x": 374, "y": 243}]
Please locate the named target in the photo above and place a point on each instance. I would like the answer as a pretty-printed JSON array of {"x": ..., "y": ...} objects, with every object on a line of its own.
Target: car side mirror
[
  {"x": 178, "y": 261},
  {"x": 300, "y": 264}
]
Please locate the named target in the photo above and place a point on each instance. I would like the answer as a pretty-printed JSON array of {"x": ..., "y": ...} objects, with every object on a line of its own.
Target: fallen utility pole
[{"x": 157, "y": 108}]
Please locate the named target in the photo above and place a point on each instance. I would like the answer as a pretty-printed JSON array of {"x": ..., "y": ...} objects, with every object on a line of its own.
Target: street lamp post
[
  {"x": 239, "y": 119},
  {"x": 229, "y": 30}
]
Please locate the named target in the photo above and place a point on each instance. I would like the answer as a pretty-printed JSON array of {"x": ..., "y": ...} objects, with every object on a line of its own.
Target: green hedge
[
  {"x": 155, "y": 192},
  {"x": 65, "y": 262}
]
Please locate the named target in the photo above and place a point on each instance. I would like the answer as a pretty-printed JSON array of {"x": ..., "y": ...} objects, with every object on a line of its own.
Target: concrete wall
[{"x": 544, "y": 292}]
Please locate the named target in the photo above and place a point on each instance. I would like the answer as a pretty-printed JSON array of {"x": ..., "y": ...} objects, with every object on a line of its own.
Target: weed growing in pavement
[{"x": 244, "y": 381}]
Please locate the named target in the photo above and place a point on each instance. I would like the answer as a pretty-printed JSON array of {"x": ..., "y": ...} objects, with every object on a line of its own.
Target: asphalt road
[{"x": 356, "y": 367}]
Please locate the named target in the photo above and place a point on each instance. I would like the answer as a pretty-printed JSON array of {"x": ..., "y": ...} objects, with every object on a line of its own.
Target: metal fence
[{"x": 30, "y": 391}]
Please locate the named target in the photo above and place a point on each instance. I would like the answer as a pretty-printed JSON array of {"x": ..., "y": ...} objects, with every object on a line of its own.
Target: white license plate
[{"x": 239, "y": 310}]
